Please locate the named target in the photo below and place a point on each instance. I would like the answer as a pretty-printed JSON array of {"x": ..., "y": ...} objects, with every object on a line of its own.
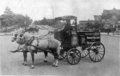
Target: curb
[
  {"x": 6, "y": 35},
  {"x": 111, "y": 35}
]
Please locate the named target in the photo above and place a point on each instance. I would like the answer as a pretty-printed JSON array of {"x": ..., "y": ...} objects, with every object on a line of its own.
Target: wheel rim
[
  {"x": 84, "y": 53},
  {"x": 97, "y": 53},
  {"x": 73, "y": 56}
]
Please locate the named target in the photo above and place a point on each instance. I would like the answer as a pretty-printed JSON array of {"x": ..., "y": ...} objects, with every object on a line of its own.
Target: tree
[
  {"x": 36, "y": 22},
  {"x": 12, "y": 19},
  {"x": 44, "y": 21},
  {"x": 8, "y": 11}
]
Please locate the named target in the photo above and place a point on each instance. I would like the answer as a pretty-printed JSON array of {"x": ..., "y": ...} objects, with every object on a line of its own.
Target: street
[{"x": 11, "y": 63}]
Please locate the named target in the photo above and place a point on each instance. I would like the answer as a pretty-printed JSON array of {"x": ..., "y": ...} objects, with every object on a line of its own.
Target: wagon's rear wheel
[
  {"x": 97, "y": 52},
  {"x": 73, "y": 56},
  {"x": 84, "y": 52}
]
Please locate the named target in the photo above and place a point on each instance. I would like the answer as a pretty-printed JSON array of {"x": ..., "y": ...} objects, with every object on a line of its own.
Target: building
[
  {"x": 97, "y": 17},
  {"x": 110, "y": 18},
  {"x": 82, "y": 26}
]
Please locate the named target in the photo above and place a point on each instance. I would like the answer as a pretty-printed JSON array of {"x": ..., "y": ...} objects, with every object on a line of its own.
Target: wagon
[{"x": 75, "y": 44}]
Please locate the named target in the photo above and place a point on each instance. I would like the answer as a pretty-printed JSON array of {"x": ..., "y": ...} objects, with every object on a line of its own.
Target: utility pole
[{"x": 52, "y": 10}]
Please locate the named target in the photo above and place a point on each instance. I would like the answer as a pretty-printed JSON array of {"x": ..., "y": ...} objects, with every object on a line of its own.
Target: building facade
[
  {"x": 110, "y": 18},
  {"x": 83, "y": 25}
]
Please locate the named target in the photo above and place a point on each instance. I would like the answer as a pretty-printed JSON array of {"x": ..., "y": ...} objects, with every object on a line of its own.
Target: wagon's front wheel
[
  {"x": 73, "y": 56},
  {"x": 97, "y": 52}
]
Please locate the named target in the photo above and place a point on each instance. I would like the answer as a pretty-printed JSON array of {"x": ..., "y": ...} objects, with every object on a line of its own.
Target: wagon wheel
[
  {"x": 73, "y": 56},
  {"x": 84, "y": 53},
  {"x": 97, "y": 52}
]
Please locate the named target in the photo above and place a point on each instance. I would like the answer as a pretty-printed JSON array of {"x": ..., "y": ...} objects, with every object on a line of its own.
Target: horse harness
[{"x": 29, "y": 43}]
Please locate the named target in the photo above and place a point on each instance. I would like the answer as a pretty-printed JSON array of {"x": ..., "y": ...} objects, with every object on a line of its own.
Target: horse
[
  {"x": 33, "y": 30},
  {"x": 51, "y": 44},
  {"x": 29, "y": 29}
]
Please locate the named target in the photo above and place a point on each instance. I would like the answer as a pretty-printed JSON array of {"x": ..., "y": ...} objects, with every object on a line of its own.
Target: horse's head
[
  {"x": 15, "y": 34},
  {"x": 14, "y": 37},
  {"x": 18, "y": 36}
]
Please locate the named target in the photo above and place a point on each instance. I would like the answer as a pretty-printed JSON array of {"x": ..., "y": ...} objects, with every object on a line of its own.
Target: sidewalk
[
  {"x": 5, "y": 34},
  {"x": 110, "y": 34}
]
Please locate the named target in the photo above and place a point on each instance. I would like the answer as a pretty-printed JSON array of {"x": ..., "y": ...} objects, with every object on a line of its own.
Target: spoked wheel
[
  {"x": 97, "y": 52},
  {"x": 73, "y": 56},
  {"x": 84, "y": 53}
]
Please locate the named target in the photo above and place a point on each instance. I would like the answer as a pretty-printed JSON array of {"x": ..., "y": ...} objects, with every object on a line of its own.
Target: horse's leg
[
  {"x": 56, "y": 60},
  {"x": 57, "y": 53},
  {"x": 32, "y": 55},
  {"x": 46, "y": 55},
  {"x": 56, "y": 57},
  {"x": 53, "y": 53},
  {"x": 25, "y": 58},
  {"x": 55, "y": 63}
]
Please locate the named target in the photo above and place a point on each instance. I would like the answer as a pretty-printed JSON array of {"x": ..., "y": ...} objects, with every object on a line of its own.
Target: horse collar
[{"x": 30, "y": 40}]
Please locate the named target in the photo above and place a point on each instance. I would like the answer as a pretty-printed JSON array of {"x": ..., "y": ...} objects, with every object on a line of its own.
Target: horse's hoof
[
  {"x": 54, "y": 65},
  {"x": 61, "y": 58},
  {"x": 45, "y": 60},
  {"x": 32, "y": 67},
  {"x": 25, "y": 64}
]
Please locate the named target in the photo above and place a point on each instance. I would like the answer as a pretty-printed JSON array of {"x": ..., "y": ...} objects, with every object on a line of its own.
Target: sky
[{"x": 38, "y": 9}]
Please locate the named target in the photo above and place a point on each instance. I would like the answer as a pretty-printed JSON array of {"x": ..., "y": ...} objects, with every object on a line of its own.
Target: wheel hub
[{"x": 96, "y": 51}]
